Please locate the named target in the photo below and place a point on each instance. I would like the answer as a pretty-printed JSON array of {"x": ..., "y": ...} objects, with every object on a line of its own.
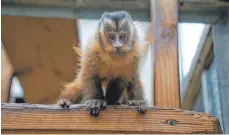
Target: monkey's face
[{"x": 117, "y": 33}]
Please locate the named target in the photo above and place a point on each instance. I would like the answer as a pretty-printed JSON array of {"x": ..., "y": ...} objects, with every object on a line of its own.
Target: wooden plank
[
  {"x": 200, "y": 60},
  {"x": 6, "y": 74},
  {"x": 30, "y": 118},
  {"x": 41, "y": 53},
  {"x": 166, "y": 76},
  {"x": 221, "y": 51},
  {"x": 205, "y": 11}
]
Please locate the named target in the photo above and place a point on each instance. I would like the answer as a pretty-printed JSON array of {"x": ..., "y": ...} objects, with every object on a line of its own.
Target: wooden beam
[
  {"x": 200, "y": 60},
  {"x": 41, "y": 53},
  {"x": 32, "y": 118},
  {"x": 221, "y": 51},
  {"x": 166, "y": 76},
  {"x": 6, "y": 74},
  {"x": 205, "y": 11}
]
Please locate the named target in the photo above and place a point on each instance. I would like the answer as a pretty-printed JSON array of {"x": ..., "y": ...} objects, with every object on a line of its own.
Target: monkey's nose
[{"x": 118, "y": 48}]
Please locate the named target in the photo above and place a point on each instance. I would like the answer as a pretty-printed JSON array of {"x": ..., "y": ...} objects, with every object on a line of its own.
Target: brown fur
[
  {"x": 106, "y": 76},
  {"x": 97, "y": 61}
]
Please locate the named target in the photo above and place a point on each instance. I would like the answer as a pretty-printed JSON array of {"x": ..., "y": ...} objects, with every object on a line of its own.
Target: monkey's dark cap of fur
[{"x": 116, "y": 15}]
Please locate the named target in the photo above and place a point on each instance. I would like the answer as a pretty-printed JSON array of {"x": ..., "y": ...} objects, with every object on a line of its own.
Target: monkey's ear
[
  {"x": 104, "y": 15},
  {"x": 127, "y": 14}
]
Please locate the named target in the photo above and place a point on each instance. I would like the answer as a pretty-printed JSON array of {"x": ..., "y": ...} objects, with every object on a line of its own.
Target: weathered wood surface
[
  {"x": 201, "y": 59},
  {"x": 41, "y": 53},
  {"x": 28, "y": 118},
  {"x": 166, "y": 72},
  {"x": 206, "y": 11}
]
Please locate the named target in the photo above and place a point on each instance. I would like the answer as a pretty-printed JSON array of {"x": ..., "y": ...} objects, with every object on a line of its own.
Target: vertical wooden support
[
  {"x": 6, "y": 73},
  {"x": 221, "y": 52},
  {"x": 166, "y": 72}
]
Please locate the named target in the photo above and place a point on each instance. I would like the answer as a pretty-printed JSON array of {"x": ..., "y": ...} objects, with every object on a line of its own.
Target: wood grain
[
  {"x": 166, "y": 69},
  {"x": 41, "y": 53},
  {"x": 28, "y": 118}
]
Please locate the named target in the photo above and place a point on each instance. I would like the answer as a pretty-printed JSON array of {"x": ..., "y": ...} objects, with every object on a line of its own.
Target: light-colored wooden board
[
  {"x": 166, "y": 69},
  {"x": 41, "y": 53},
  {"x": 6, "y": 74},
  {"x": 115, "y": 119},
  {"x": 200, "y": 60}
]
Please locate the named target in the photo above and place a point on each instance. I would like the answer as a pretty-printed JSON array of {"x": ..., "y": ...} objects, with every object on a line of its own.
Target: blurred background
[{"x": 37, "y": 57}]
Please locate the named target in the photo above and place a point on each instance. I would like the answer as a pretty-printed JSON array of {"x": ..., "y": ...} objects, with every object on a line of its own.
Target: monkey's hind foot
[
  {"x": 94, "y": 106},
  {"x": 64, "y": 103},
  {"x": 141, "y": 105}
]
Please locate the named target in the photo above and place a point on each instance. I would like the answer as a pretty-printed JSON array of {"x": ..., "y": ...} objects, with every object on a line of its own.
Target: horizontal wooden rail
[
  {"x": 205, "y": 11},
  {"x": 34, "y": 118}
]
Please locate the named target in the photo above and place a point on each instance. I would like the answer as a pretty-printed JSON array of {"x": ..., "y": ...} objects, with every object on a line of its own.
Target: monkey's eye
[
  {"x": 111, "y": 37},
  {"x": 122, "y": 36}
]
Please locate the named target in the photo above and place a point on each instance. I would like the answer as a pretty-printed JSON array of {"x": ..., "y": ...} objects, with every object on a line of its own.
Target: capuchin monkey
[{"x": 109, "y": 70}]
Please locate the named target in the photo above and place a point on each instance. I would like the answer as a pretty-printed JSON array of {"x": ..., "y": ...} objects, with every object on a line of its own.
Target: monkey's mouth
[{"x": 118, "y": 52}]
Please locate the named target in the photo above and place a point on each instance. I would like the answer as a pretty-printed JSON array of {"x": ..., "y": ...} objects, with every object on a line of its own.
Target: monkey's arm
[
  {"x": 93, "y": 94},
  {"x": 88, "y": 90},
  {"x": 136, "y": 95}
]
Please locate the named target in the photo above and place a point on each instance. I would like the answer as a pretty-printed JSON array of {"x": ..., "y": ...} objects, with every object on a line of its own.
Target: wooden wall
[{"x": 41, "y": 53}]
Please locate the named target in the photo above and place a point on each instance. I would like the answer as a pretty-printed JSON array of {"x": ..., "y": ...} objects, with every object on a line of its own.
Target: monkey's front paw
[
  {"x": 64, "y": 103},
  {"x": 141, "y": 105},
  {"x": 142, "y": 108},
  {"x": 94, "y": 106}
]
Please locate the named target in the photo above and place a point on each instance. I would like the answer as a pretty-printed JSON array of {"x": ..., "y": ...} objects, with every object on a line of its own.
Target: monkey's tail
[{"x": 71, "y": 91}]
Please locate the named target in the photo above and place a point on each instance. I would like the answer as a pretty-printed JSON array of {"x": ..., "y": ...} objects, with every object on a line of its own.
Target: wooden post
[
  {"x": 221, "y": 52},
  {"x": 166, "y": 69}
]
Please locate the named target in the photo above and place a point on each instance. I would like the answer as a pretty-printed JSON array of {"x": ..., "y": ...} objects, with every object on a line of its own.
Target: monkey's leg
[
  {"x": 95, "y": 101},
  {"x": 136, "y": 96}
]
